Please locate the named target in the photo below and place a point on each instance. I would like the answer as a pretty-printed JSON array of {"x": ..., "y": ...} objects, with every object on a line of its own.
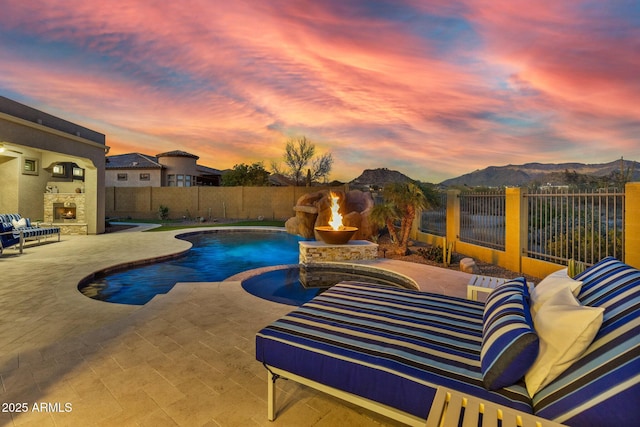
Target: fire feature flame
[{"x": 336, "y": 217}]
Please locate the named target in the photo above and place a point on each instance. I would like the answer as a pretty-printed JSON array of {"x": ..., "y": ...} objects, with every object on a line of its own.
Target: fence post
[
  {"x": 453, "y": 216},
  {"x": 515, "y": 228},
  {"x": 632, "y": 224}
]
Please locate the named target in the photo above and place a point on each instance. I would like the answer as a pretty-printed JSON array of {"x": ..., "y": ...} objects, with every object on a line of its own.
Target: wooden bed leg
[{"x": 271, "y": 396}]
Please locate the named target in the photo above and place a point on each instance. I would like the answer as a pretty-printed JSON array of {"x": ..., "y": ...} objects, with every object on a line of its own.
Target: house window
[
  {"x": 78, "y": 173},
  {"x": 123, "y": 177},
  {"x": 145, "y": 177},
  {"x": 30, "y": 167},
  {"x": 59, "y": 171},
  {"x": 171, "y": 180},
  {"x": 187, "y": 181},
  {"x": 180, "y": 180}
]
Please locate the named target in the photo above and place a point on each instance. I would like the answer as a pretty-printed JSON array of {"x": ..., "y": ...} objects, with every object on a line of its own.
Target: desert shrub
[
  {"x": 163, "y": 212},
  {"x": 432, "y": 253}
]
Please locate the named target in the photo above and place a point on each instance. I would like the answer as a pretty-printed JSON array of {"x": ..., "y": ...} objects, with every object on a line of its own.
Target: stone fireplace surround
[{"x": 53, "y": 201}]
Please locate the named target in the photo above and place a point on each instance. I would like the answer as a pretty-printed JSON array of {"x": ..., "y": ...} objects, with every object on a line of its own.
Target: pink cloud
[
  {"x": 232, "y": 84},
  {"x": 581, "y": 59}
]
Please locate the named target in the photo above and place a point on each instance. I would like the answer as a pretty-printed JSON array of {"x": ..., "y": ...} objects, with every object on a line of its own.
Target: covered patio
[{"x": 51, "y": 170}]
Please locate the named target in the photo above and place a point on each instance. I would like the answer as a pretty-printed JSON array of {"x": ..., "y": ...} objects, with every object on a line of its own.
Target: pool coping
[{"x": 352, "y": 267}]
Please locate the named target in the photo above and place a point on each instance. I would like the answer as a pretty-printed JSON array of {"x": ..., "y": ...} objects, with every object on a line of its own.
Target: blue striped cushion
[
  {"x": 10, "y": 217},
  {"x": 603, "y": 387},
  {"x": 509, "y": 342},
  {"x": 394, "y": 346}
]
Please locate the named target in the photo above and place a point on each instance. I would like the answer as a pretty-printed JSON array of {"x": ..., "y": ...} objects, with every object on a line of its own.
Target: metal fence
[
  {"x": 482, "y": 219},
  {"x": 582, "y": 226},
  {"x": 434, "y": 220}
]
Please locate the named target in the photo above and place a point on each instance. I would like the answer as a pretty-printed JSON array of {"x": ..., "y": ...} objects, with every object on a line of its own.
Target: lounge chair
[
  {"x": 8, "y": 239},
  {"x": 392, "y": 350},
  {"x": 15, "y": 230}
]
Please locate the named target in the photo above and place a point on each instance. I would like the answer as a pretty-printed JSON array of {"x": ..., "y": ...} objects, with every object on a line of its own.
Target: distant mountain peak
[{"x": 379, "y": 177}]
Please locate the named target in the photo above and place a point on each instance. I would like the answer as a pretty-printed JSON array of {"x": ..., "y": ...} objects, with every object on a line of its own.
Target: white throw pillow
[
  {"x": 21, "y": 223},
  {"x": 551, "y": 284},
  {"x": 565, "y": 330}
]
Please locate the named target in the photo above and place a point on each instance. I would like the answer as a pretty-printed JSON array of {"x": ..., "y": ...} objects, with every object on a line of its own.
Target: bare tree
[
  {"x": 299, "y": 151},
  {"x": 321, "y": 167}
]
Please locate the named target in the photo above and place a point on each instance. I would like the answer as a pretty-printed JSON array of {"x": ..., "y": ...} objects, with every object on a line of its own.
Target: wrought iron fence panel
[
  {"x": 482, "y": 219},
  {"x": 583, "y": 226},
  {"x": 434, "y": 219}
]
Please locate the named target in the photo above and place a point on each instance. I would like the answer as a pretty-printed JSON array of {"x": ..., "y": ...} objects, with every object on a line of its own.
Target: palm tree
[
  {"x": 401, "y": 202},
  {"x": 385, "y": 215}
]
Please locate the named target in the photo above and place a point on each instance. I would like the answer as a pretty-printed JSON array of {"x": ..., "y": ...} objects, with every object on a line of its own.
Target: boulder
[
  {"x": 309, "y": 199},
  {"x": 314, "y": 209},
  {"x": 468, "y": 265},
  {"x": 305, "y": 221},
  {"x": 291, "y": 225}
]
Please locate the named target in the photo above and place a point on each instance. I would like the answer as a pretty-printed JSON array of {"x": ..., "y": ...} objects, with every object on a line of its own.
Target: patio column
[
  {"x": 515, "y": 228},
  {"x": 453, "y": 215},
  {"x": 632, "y": 224}
]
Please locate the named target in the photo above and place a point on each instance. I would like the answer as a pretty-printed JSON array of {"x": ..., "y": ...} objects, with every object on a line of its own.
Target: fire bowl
[{"x": 335, "y": 237}]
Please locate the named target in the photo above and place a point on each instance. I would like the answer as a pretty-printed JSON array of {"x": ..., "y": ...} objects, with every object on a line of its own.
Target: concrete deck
[{"x": 184, "y": 359}]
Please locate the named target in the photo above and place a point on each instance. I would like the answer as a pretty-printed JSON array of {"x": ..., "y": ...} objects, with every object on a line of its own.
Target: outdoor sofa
[
  {"x": 392, "y": 350},
  {"x": 15, "y": 230}
]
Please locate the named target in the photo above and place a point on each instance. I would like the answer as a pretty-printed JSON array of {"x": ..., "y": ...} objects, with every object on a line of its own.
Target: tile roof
[
  {"x": 132, "y": 161},
  {"x": 280, "y": 180},
  {"x": 145, "y": 161},
  {"x": 207, "y": 170},
  {"x": 177, "y": 153}
]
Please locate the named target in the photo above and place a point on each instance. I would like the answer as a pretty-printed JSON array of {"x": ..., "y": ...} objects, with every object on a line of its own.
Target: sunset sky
[{"x": 434, "y": 89}]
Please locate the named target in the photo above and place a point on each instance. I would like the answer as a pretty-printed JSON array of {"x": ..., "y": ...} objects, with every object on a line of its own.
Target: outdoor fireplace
[
  {"x": 67, "y": 211},
  {"x": 64, "y": 212}
]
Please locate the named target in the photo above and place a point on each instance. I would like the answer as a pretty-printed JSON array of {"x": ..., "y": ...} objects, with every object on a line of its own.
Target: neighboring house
[
  {"x": 133, "y": 170},
  {"x": 171, "y": 169},
  {"x": 49, "y": 166},
  {"x": 279, "y": 180},
  {"x": 208, "y": 176}
]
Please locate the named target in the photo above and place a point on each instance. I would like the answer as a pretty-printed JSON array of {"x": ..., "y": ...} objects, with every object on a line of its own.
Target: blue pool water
[
  {"x": 281, "y": 286},
  {"x": 213, "y": 257},
  {"x": 297, "y": 285}
]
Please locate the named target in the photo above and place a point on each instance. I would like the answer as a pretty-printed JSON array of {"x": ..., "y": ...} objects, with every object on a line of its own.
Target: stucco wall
[
  {"x": 30, "y": 201},
  {"x": 9, "y": 172},
  {"x": 133, "y": 178},
  {"x": 179, "y": 164}
]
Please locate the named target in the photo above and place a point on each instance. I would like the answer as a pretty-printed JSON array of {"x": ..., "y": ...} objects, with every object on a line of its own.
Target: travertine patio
[{"x": 186, "y": 358}]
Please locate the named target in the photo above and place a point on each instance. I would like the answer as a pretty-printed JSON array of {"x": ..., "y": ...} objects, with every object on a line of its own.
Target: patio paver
[{"x": 185, "y": 358}]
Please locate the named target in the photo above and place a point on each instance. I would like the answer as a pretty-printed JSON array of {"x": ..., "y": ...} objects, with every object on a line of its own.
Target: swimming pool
[{"x": 214, "y": 256}]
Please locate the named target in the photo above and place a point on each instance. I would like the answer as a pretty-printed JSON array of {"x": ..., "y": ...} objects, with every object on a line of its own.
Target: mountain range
[
  {"x": 542, "y": 173},
  {"x": 513, "y": 175}
]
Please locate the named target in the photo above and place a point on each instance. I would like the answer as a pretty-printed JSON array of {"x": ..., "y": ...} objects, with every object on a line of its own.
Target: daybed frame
[{"x": 449, "y": 408}]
